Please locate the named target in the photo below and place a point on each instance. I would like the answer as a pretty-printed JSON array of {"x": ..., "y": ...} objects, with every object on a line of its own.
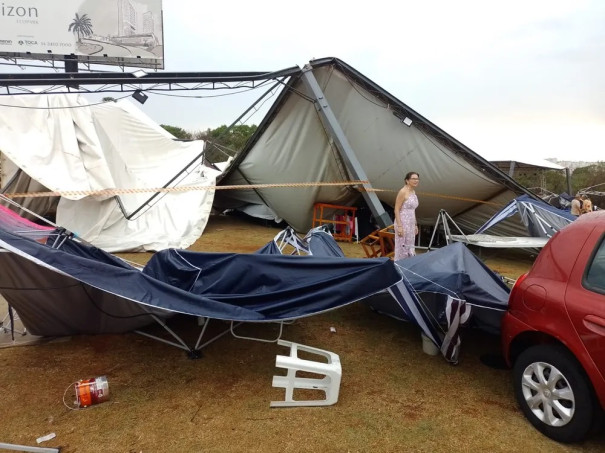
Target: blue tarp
[
  {"x": 322, "y": 243},
  {"x": 451, "y": 272},
  {"x": 458, "y": 270},
  {"x": 240, "y": 287}
]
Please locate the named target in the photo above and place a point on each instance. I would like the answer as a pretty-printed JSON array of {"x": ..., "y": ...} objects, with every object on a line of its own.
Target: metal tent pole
[{"x": 332, "y": 125}]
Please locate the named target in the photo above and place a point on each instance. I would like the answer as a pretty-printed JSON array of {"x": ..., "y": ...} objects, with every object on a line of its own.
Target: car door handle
[{"x": 595, "y": 324}]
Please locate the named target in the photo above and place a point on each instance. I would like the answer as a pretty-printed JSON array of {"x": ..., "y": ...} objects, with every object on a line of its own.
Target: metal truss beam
[{"x": 106, "y": 82}]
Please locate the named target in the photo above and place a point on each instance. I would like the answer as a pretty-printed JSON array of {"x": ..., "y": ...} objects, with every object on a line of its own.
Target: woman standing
[{"x": 405, "y": 217}]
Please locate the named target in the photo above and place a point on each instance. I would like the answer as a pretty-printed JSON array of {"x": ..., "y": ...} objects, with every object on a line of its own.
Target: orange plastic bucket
[{"x": 92, "y": 391}]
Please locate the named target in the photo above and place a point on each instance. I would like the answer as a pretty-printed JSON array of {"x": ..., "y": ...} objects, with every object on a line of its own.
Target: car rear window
[{"x": 595, "y": 276}]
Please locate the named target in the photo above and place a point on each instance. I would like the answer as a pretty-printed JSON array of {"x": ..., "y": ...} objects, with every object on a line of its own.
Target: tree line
[
  {"x": 555, "y": 181},
  {"x": 221, "y": 143}
]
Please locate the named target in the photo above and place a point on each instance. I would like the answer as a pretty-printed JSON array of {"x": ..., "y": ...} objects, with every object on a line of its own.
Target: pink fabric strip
[{"x": 16, "y": 218}]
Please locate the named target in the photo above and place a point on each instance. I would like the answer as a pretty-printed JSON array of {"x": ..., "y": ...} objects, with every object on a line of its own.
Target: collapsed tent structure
[
  {"x": 121, "y": 179},
  {"x": 333, "y": 124},
  {"x": 541, "y": 221},
  {"x": 560, "y": 201},
  {"x": 60, "y": 285},
  {"x": 540, "y": 218},
  {"x": 330, "y": 124}
]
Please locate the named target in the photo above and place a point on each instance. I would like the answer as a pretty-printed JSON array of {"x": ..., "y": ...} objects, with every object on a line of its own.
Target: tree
[
  {"x": 82, "y": 26},
  {"x": 224, "y": 141},
  {"x": 528, "y": 178},
  {"x": 178, "y": 132},
  {"x": 556, "y": 181},
  {"x": 234, "y": 138},
  {"x": 589, "y": 176}
]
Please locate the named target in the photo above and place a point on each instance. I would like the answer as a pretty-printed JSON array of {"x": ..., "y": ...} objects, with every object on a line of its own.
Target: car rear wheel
[{"x": 554, "y": 393}]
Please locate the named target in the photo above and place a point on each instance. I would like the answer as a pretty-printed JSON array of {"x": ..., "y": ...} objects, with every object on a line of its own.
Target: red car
[{"x": 553, "y": 333}]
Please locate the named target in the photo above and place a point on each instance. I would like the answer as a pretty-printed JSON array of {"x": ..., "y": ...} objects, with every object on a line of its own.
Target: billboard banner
[{"x": 116, "y": 32}]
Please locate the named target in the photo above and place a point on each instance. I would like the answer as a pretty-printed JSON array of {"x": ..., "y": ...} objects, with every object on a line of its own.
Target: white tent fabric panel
[
  {"x": 524, "y": 161},
  {"x": 52, "y": 139},
  {"x": 66, "y": 145},
  {"x": 7, "y": 170},
  {"x": 176, "y": 220},
  {"x": 20, "y": 182},
  {"x": 137, "y": 155}
]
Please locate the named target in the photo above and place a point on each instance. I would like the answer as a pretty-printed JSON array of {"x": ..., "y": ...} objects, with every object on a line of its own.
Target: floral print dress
[{"x": 404, "y": 245}]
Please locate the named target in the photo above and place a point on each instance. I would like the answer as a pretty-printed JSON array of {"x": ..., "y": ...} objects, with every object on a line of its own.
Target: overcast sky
[
  {"x": 523, "y": 77},
  {"x": 507, "y": 79}
]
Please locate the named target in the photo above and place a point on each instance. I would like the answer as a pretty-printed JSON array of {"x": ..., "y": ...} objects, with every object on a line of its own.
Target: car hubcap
[{"x": 548, "y": 394}]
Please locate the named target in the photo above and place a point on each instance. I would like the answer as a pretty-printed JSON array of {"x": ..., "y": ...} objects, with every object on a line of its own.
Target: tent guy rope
[
  {"x": 109, "y": 192},
  {"x": 112, "y": 192}
]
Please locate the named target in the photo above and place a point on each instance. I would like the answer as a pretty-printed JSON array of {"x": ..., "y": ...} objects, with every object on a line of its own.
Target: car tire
[{"x": 554, "y": 393}]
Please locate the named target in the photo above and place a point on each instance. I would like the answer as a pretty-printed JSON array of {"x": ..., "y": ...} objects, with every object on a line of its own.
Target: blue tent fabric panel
[
  {"x": 456, "y": 269},
  {"x": 317, "y": 242},
  {"x": 435, "y": 277},
  {"x": 542, "y": 219},
  {"x": 277, "y": 286},
  {"x": 270, "y": 248},
  {"x": 229, "y": 286},
  {"x": 88, "y": 252},
  {"x": 324, "y": 244},
  {"x": 53, "y": 304},
  {"x": 507, "y": 211},
  {"x": 129, "y": 283}
]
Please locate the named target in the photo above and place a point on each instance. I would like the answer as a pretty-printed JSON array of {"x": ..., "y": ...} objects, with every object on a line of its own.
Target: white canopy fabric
[
  {"x": 525, "y": 162},
  {"x": 67, "y": 145},
  {"x": 491, "y": 241}
]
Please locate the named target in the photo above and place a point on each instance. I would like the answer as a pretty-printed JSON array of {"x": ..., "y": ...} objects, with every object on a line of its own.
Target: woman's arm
[{"x": 401, "y": 197}]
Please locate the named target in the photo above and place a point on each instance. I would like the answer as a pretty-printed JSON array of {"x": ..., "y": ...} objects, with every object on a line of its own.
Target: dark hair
[{"x": 410, "y": 174}]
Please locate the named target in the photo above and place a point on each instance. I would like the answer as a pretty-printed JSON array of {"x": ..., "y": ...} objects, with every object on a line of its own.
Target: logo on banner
[
  {"x": 18, "y": 11},
  {"x": 23, "y": 15}
]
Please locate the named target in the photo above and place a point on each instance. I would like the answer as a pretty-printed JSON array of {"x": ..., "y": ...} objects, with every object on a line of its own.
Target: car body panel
[
  {"x": 553, "y": 299},
  {"x": 586, "y": 306}
]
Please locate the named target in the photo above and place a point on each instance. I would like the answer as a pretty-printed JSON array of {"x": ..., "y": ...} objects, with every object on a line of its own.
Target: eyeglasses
[{"x": 414, "y": 179}]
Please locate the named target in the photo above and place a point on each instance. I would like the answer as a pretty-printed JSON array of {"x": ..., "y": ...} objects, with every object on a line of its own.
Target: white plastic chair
[{"x": 329, "y": 384}]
